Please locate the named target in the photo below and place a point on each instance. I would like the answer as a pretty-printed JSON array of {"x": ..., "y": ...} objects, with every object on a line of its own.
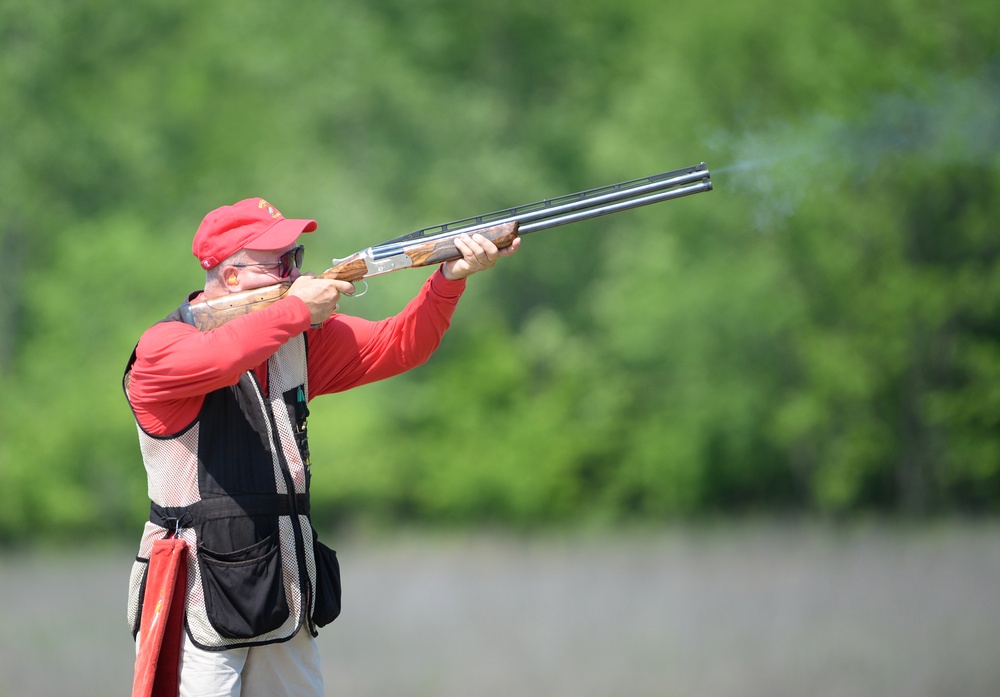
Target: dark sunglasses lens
[{"x": 289, "y": 260}]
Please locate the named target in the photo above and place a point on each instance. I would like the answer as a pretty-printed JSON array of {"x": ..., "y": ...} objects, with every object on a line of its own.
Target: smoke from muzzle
[{"x": 946, "y": 122}]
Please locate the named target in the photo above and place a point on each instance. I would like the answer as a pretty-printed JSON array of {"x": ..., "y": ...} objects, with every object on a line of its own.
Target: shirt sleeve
[
  {"x": 177, "y": 365},
  {"x": 350, "y": 351}
]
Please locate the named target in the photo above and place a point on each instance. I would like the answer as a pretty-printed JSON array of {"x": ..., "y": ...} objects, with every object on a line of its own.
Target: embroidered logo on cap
[{"x": 271, "y": 210}]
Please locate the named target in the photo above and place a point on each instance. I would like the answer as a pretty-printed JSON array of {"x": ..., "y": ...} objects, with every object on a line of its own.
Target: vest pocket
[
  {"x": 326, "y": 607},
  {"x": 244, "y": 590}
]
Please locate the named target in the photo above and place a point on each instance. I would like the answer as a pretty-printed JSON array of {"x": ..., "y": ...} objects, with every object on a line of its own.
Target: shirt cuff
[
  {"x": 444, "y": 288},
  {"x": 296, "y": 310}
]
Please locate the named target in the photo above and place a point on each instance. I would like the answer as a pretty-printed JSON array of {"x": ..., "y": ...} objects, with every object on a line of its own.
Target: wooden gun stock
[{"x": 374, "y": 261}]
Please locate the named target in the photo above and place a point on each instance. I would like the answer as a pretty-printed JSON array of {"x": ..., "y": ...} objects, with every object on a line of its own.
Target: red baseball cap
[{"x": 253, "y": 223}]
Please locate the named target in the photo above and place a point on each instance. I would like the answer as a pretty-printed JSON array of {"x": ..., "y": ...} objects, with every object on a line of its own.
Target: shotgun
[{"x": 435, "y": 244}]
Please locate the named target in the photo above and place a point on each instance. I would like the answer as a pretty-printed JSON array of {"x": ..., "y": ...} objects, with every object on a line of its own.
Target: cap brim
[{"x": 282, "y": 234}]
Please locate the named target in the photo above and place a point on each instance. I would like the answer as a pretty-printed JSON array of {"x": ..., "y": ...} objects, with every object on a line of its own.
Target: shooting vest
[{"x": 234, "y": 485}]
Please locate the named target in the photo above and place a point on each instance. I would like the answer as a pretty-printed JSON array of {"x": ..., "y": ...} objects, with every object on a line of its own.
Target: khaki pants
[{"x": 287, "y": 669}]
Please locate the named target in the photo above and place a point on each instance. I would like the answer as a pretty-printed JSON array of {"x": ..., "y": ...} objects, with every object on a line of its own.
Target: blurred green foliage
[{"x": 821, "y": 333}]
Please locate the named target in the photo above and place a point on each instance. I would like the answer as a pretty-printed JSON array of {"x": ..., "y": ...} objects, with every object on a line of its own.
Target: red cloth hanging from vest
[{"x": 157, "y": 665}]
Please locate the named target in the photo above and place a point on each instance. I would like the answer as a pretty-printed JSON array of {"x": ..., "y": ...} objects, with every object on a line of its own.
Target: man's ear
[{"x": 229, "y": 276}]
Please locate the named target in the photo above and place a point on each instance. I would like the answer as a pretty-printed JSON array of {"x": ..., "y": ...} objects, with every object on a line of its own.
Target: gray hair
[{"x": 213, "y": 276}]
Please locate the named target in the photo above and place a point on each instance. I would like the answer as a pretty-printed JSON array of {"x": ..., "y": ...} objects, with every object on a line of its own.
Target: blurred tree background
[{"x": 819, "y": 335}]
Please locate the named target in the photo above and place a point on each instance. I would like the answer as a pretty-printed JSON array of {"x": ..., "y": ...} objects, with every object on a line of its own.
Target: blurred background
[{"x": 744, "y": 442}]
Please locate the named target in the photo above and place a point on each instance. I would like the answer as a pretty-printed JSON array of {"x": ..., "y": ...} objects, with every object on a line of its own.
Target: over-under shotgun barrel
[{"x": 571, "y": 208}]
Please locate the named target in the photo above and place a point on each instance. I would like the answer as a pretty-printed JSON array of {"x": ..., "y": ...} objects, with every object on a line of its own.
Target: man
[{"x": 221, "y": 416}]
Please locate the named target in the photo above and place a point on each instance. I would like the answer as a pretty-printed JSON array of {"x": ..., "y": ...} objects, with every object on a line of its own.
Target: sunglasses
[{"x": 292, "y": 259}]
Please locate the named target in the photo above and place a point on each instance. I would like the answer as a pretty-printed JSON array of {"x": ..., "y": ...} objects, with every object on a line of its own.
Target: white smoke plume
[{"x": 948, "y": 122}]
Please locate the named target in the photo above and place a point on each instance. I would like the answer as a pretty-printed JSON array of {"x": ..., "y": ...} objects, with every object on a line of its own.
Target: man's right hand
[{"x": 320, "y": 295}]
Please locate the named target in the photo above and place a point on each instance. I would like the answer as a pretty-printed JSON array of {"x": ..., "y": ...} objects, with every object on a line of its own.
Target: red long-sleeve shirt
[{"x": 177, "y": 365}]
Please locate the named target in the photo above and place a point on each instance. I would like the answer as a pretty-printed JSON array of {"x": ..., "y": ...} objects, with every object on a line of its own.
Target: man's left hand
[{"x": 478, "y": 254}]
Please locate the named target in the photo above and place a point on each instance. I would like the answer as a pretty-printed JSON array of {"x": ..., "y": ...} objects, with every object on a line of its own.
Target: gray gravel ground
[{"x": 745, "y": 610}]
